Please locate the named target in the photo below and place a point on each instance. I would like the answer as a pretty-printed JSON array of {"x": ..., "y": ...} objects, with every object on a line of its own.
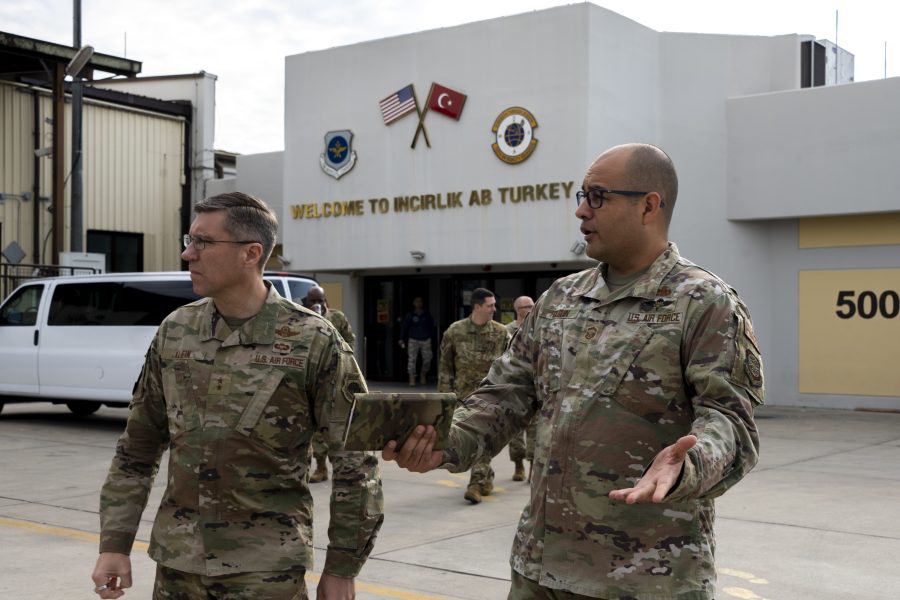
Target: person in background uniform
[
  {"x": 468, "y": 348},
  {"x": 315, "y": 301},
  {"x": 234, "y": 385},
  {"x": 643, "y": 374},
  {"x": 521, "y": 447},
  {"x": 415, "y": 336}
]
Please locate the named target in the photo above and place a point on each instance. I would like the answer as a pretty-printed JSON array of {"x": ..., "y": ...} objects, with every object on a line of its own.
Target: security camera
[
  {"x": 42, "y": 152},
  {"x": 417, "y": 254}
]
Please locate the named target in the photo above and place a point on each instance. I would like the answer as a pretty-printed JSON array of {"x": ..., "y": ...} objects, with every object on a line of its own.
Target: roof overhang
[{"x": 24, "y": 56}]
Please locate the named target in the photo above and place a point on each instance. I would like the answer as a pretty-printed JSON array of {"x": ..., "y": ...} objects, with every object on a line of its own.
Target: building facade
[{"x": 432, "y": 163}]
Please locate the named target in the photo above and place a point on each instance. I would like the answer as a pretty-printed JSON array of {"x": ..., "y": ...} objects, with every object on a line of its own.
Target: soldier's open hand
[
  {"x": 661, "y": 476},
  {"x": 417, "y": 453}
]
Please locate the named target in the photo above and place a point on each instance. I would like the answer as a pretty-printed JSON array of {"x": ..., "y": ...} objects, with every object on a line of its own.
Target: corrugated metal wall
[
  {"x": 16, "y": 168},
  {"x": 133, "y": 173}
]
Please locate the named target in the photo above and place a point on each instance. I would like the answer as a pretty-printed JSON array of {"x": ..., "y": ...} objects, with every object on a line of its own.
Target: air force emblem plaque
[{"x": 339, "y": 157}]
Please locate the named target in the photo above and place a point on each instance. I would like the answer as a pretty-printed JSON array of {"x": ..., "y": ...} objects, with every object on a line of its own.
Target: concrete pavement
[{"x": 818, "y": 519}]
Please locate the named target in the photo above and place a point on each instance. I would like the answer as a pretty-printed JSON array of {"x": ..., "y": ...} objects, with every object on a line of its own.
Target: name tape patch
[{"x": 655, "y": 318}]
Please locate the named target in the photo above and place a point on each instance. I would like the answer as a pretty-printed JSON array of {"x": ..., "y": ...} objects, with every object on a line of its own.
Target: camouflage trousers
[
  {"x": 319, "y": 448},
  {"x": 523, "y": 588},
  {"x": 413, "y": 349},
  {"x": 522, "y": 446},
  {"x": 172, "y": 584},
  {"x": 482, "y": 474}
]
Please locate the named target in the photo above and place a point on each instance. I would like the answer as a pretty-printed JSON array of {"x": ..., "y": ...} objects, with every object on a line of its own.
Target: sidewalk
[{"x": 818, "y": 519}]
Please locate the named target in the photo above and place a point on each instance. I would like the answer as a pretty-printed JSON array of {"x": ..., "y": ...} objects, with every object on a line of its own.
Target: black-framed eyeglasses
[
  {"x": 596, "y": 196},
  {"x": 201, "y": 243}
]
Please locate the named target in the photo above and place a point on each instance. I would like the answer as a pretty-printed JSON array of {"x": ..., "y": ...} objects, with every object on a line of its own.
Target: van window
[
  {"x": 278, "y": 285},
  {"x": 118, "y": 303},
  {"x": 299, "y": 287},
  {"x": 22, "y": 306}
]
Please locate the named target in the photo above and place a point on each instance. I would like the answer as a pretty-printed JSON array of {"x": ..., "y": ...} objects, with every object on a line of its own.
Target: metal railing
[{"x": 12, "y": 276}]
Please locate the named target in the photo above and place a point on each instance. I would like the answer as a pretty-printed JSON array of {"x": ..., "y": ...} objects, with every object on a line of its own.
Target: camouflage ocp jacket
[
  {"x": 467, "y": 351},
  {"x": 236, "y": 409},
  {"x": 613, "y": 378},
  {"x": 342, "y": 324}
]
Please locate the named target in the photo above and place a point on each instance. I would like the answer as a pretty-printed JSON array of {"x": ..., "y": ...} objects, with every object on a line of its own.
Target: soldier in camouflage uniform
[
  {"x": 468, "y": 348},
  {"x": 643, "y": 373},
  {"x": 234, "y": 385},
  {"x": 415, "y": 337},
  {"x": 521, "y": 447},
  {"x": 315, "y": 300}
]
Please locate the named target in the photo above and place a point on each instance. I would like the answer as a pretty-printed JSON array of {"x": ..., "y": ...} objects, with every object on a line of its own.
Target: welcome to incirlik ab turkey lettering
[{"x": 440, "y": 201}]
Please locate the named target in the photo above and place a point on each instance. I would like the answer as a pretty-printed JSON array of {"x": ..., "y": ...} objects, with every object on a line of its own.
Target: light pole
[{"x": 74, "y": 69}]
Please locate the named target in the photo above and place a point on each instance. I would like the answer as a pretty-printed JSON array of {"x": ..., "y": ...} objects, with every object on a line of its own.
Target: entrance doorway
[{"x": 387, "y": 300}]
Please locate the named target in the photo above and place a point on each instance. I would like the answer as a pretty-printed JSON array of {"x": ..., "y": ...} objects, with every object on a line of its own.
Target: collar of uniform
[
  {"x": 648, "y": 285},
  {"x": 259, "y": 329},
  {"x": 475, "y": 326},
  {"x": 595, "y": 287}
]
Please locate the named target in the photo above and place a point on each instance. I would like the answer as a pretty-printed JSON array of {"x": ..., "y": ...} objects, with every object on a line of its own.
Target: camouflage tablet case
[{"x": 378, "y": 417}]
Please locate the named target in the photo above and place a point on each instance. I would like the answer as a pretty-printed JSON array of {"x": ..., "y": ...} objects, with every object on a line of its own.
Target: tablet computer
[{"x": 378, "y": 417}]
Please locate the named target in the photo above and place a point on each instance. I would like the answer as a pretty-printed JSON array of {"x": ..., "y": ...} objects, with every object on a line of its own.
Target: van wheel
[{"x": 83, "y": 409}]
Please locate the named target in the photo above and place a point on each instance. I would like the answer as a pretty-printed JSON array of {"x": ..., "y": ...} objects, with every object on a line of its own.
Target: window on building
[{"x": 124, "y": 251}]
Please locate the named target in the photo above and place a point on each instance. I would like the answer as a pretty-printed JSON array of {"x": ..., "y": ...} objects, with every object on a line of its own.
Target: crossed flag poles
[{"x": 441, "y": 99}]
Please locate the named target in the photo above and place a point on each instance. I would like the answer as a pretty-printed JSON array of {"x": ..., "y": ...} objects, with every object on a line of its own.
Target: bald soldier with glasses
[{"x": 642, "y": 374}]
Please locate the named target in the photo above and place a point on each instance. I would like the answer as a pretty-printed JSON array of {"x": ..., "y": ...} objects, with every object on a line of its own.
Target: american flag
[{"x": 397, "y": 104}]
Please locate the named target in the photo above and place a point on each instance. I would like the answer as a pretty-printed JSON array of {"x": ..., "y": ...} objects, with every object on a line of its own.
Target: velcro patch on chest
[
  {"x": 560, "y": 313},
  {"x": 184, "y": 355},
  {"x": 289, "y": 330},
  {"x": 282, "y": 347},
  {"x": 278, "y": 360},
  {"x": 219, "y": 384},
  {"x": 654, "y": 318}
]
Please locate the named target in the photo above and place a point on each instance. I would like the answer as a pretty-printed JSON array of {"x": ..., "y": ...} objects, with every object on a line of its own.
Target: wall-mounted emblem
[
  {"x": 514, "y": 139},
  {"x": 338, "y": 157},
  {"x": 441, "y": 99}
]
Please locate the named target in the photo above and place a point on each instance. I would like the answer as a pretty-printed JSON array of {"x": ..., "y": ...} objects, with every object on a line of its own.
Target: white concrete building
[{"x": 789, "y": 193}]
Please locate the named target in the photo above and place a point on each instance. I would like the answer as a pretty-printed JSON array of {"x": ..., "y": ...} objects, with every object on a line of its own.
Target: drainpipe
[
  {"x": 59, "y": 152},
  {"x": 36, "y": 182}
]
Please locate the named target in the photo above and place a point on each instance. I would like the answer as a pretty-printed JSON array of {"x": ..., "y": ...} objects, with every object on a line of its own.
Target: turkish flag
[{"x": 446, "y": 101}]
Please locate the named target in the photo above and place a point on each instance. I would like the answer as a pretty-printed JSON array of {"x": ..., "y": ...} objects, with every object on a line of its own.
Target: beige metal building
[{"x": 144, "y": 159}]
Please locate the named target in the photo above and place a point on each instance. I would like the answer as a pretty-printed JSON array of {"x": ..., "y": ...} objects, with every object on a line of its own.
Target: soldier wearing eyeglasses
[
  {"x": 234, "y": 386},
  {"x": 643, "y": 374}
]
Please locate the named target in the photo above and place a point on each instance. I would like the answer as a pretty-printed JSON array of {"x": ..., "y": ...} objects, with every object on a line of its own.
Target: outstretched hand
[
  {"x": 661, "y": 476},
  {"x": 417, "y": 453}
]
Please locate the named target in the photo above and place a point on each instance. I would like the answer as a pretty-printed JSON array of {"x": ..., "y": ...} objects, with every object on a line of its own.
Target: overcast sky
[{"x": 244, "y": 43}]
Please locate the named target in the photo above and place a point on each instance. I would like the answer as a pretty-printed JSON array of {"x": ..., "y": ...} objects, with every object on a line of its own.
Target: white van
[{"x": 81, "y": 340}]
